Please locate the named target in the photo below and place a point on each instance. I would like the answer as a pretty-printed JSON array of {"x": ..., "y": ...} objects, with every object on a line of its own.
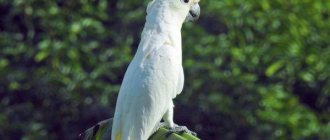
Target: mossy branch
[{"x": 97, "y": 131}]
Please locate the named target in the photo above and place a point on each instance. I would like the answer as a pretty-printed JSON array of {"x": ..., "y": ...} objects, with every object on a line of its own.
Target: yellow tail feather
[{"x": 118, "y": 136}]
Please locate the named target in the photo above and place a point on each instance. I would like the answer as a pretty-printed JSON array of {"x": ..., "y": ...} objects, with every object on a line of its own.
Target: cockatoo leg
[
  {"x": 173, "y": 128},
  {"x": 170, "y": 125},
  {"x": 168, "y": 117}
]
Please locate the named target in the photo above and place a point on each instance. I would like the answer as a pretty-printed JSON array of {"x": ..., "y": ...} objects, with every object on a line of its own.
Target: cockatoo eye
[{"x": 185, "y": 1}]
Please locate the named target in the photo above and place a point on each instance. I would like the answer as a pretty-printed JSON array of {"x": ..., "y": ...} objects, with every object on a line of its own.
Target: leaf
[
  {"x": 41, "y": 56},
  {"x": 273, "y": 68}
]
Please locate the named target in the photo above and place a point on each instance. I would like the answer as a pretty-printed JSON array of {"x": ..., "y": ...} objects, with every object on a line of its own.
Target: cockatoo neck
[
  {"x": 163, "y": 26},
  {"x": 160, "y": 15}
]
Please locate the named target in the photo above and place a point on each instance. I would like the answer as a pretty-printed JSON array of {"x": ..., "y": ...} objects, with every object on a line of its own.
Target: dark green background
[{"x": 255, "y": 70}]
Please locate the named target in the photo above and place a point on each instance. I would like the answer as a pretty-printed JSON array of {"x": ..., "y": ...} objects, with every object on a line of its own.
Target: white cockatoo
[{"x": 155, "y": 75}]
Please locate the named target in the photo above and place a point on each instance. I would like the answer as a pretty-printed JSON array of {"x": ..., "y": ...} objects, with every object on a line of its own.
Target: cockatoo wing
[
  {"x": 153, "y": 41},
  {"x": 180, "y": 82},
  {"x": 150, "y": 83}
]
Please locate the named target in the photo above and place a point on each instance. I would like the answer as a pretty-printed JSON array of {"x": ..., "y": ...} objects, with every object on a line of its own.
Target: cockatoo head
[
  {"x": 194, "y": 10},
  {"x": 186, "y": 10},
  {"x": 190, "y": 8}
]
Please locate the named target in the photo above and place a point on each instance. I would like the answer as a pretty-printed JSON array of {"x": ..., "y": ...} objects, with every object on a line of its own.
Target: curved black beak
[{"x": 194, "y": 13}]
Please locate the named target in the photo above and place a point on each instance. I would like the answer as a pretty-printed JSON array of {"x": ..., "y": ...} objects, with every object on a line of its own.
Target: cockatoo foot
[
  {"x": 180, "y": 130},
  {"x": 158, "y": 126},
  {"x": 161, "y": 124}
]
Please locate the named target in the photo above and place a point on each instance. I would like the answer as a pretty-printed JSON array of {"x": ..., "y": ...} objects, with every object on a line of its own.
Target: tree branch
[{"x": 96, "y": 132}]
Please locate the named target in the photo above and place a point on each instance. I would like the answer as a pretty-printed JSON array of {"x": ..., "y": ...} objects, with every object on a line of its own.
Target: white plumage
[{"x": 155, "y": 75}]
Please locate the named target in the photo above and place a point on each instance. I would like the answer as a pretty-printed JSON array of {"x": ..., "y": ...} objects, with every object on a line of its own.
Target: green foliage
[{"x": 253, "y": 69}]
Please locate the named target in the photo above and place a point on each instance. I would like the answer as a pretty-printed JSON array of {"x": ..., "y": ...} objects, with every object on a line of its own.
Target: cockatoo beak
[{"x": 194, "y": 13}]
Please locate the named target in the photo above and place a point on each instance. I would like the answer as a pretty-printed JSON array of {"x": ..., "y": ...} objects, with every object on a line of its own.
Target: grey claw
[
  {"x": 158, "y": 126},
  {"x": 179, "y": 130},
  {"x": 167, "y": 134},
  {"x": 193, "y": 133}
]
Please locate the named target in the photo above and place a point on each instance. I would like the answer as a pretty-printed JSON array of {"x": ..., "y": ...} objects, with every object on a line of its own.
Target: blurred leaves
[{"x": 253, "y": 69}]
